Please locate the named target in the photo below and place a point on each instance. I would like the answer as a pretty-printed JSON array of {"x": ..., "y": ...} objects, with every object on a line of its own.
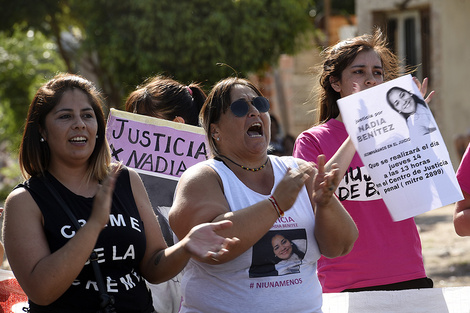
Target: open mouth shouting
[{"x": 255, "y": 130}]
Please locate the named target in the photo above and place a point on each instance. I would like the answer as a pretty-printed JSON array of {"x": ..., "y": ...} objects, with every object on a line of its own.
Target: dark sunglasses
[{"x": 241, "y": 107}]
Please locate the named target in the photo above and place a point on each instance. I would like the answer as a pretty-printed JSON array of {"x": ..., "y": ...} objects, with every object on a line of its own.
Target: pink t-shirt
[
  {"x": 386, "y": 252},
  {"x": 463, "y": 170}
]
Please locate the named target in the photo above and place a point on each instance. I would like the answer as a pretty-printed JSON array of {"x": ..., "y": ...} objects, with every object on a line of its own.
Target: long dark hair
[
  {"x": 295, "y": 249},
  {"x": 34, "y": 155},
  {"x": 415, "y": 97},
  {"x": 338, "y": 57},
  {"x": 166, "y": 98}
]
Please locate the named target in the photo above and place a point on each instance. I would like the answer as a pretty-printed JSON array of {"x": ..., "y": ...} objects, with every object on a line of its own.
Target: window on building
[{"x": 408, "y": 32}]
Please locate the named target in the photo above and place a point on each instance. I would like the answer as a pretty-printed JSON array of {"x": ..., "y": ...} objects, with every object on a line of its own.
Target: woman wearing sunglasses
[{"x": 258, "y": 193}]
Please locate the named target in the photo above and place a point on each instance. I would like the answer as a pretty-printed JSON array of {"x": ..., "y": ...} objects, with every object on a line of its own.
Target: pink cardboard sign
[{"x": 154, "y": 145}]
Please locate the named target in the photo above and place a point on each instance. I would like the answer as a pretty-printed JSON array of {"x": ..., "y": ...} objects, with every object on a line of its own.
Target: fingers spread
[
  {"x": 429, "y": 97},
  {"x": 423, "y": 88}
]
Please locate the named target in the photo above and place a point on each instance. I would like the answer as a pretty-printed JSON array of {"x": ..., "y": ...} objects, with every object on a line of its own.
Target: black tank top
[{"x": 120, "y": 247}]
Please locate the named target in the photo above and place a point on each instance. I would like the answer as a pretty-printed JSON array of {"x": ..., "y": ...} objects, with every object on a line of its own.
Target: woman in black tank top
[{"x": 65, "y": 159}]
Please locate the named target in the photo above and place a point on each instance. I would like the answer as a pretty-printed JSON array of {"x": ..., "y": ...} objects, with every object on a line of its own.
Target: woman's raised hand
[
  {"x": 325, "y": 183},
  {"x": 104, "y": 197},
  {"x": 288, "y": 189},
  {"x": 203, "y": 242},
  {"x": 423, "y": 88}
]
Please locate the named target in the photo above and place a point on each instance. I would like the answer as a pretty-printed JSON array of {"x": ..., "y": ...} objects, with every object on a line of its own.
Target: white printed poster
[{"x": 399, "y": 142}]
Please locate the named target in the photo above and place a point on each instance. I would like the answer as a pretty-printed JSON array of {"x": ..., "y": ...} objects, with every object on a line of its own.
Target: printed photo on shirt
[{"x": 278, "y": 253}]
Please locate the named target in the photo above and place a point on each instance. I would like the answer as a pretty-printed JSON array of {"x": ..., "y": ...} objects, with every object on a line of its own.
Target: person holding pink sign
[
  {"x": 165, "y": 98},
  {"x": 80, "y": 233},
  {"x": 387, "y": 254},
  {"x": 168, "y": 99},
  {"x": 262, "y": 195},
  {"x": 461, "y": 211}
]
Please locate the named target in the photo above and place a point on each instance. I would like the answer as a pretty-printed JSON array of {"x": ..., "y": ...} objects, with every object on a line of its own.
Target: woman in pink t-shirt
[
  {"x": 387, "y": 254},
  {"x": 461, "y": 214}
]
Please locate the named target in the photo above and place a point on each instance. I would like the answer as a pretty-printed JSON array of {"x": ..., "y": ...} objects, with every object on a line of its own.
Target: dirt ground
[{"x": 446, "y": 255}]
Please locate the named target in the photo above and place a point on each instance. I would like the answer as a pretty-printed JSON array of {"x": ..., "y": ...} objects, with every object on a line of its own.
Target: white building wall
[{"x": 450, "y": 59}]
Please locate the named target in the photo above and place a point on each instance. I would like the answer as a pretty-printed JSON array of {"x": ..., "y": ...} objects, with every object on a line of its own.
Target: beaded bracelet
[{"x": 276, "y": 206}]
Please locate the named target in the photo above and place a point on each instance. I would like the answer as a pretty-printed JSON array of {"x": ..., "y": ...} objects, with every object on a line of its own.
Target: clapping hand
[
  {"x": 203, "y": 242},
  {"x": 104, "y": 196},
  {"x": 325, "y": 183},
  {"x": 288, "y": 189}
]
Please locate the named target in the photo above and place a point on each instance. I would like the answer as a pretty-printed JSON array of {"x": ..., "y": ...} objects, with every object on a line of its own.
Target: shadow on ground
[
  {"x": 462, "y": 269},
  {"x": 429, "y": 222}
]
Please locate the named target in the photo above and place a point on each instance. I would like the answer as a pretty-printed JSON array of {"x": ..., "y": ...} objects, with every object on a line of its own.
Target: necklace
[{"x": 247, "y": 168}]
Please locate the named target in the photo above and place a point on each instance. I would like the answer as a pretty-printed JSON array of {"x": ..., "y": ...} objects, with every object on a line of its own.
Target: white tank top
[{"x": 254, "y": 282}]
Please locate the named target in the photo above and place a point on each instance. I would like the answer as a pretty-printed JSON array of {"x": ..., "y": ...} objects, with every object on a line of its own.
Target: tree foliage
[
  {"x": 121, "y": 43},
  {"x": 345, "y": 7},
  {"x": 26, "y": 60},
  {"x": 186, "y": 39}
]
